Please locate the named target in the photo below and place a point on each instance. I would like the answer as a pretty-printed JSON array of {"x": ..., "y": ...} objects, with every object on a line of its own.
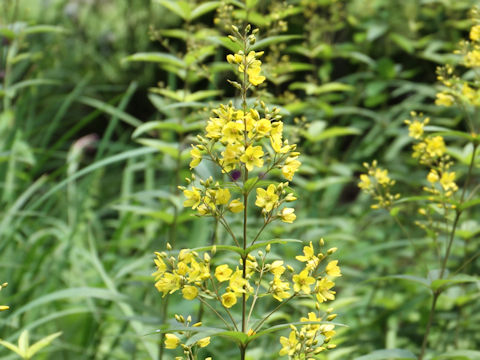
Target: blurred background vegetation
[{"x": 100, "y": 101}]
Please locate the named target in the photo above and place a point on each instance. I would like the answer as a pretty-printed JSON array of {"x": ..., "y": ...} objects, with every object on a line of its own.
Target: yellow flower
[
  {"x": 232, "y": 132},
  {"x": 288, "y": 344},
  {"x": 229, "y": 299},
  {"x": 290, "y": 167},
  {"x": 193, "y": 198},
  {"x": 448, "y": 181},
  {"x": 267, "y": 199},
  {"x": 237, "y": 283},
  {"x": 382, "y": 176},
  {"x": 223, "y": 273},
  {"x": 253, "y": 72},
  {"x": 263, "y": 127},
  {"x": 222, "y": 196},
  {"x": 171, "y": 341},
  {"x": 302, "y": 282},
  {"x": 435, "y": 146},
  {"x": 253, "y": 68},
  {"x": 203, "y": 342},
  {"x": 332, "y": 269},
  {"x": 475, "y": 33},
  {"x": 365, "y": 182},
  {"x": 276, "y": 134},
  {"x": 252, "y": 157},
  {"x": 161, "y": 267},
  {"x": 432, "y": 176},
  {"x": 415, "y": 130},
  {"x": 287, "y": 215},
  {"x": 322, "y": 290},
  {"x": 231, "y": 156},
  {"x": 444, "y": 99},
  {"x": 196, "y": 155},
  {"x": 309, "y": 257},
  {"x": 311, "y": 328},
  {"x": 277, "y": 268},
  {"x": 236, "y": 206},
  {"x": 190, "y": 292},
  {"x": 280, "y": 289},
  {"x": 169, "y": 283},
  {"x": 472, "y": 58}
]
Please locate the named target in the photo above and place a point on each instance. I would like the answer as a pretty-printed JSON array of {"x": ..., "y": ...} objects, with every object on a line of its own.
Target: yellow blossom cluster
[
  {"x": 303, "y": 343},
  {"x": 378, "y": 184},
  {"x": 246, "y": 143},
  {"x": 3, "y": 307},
  {"x": 431, "y": 150},
  {"x": 456, "y": 89},
  {"x": 172, "y": 341}
]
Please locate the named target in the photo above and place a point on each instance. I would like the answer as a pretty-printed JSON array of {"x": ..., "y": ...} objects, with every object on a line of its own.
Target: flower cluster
[
  {"x": 172, "y": 341},
  {"x": 3, "y": 307},
  {"x": 303, "y": 343},
  {"x": 247, "y": 145},
  {"x": 378, "y": 184},
  {"x": 430, "y": 150},
  {"x": 456, "y": 89}
]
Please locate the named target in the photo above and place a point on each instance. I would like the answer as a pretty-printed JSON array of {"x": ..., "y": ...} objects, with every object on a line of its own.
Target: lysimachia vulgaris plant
[
  {"x": 248, "y": 147},
  {"x": 449, "y": 186}
]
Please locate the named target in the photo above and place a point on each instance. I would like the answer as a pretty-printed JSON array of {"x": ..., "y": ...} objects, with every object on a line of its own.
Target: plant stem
[{"x": 437, "y": 292}]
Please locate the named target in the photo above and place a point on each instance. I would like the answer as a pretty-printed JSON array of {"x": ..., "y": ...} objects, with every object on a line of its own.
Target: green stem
[{"x": 437, "y": 293}]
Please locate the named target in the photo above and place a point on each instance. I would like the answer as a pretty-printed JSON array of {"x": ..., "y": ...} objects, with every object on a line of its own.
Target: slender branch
[
  {"x": 215, "y": 289},
  {"x": 216, "y": 312},
  {"x": 229, "y": 230},
  {"x": 447, "y": 254},
  {"x": 273, "y": 311},
  {"x": 255, "y": 296},
  {"x": 429, "y": 324}
]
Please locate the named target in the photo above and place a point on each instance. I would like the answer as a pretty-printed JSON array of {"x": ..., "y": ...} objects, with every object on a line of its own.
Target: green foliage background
[{"x": 100, "y": 101}]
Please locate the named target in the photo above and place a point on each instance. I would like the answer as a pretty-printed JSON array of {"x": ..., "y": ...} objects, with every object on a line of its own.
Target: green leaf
[
  {"x": 72, "y": 293},
  {"x": 236, "y": 336},
  {"x": 459, "y": 355},
  {"x": 458, "y": 279},
  {"x": 39, "y": 345},
  {"x": 250, "y": 183},
  {"x": 157, "y": 57},
  {"x": 159, "y": 145},
  {"x": 388, "y": 354},
  {"x": 226, "y": 43},
  {"x": 273, "y": 241},
  {"x": 180, "y": 8},
  {"x": 312, "y": 89},
  {"x": 469, "y": 204},
  {"x": 334, "y": 131},
  {"x": 416, "y": 279},
  {"x": 23, "y": 342},
  {"x": 263, "y": 43},
  {"x": 111, "y": 110},
  {"x": 203, "y": 9},
  {"x": 202, "y": 94},
  {"x": 275, "y": 328},
  {"x": 11, "y": 347},
  {"x": 403, "y": 42},
  {"x": 236, "y": 249},
  {"x": 38, "y": 29}
]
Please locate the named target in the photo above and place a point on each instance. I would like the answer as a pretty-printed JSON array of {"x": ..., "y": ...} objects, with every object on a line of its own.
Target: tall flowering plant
[
  {"x": 247, "y": 145},
  {"x": 450, "y": 187}
]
